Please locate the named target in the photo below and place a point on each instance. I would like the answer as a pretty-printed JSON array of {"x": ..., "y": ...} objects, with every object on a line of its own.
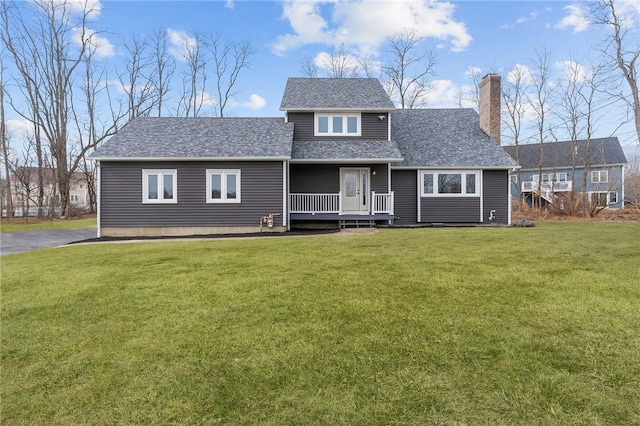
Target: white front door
[{"x": 354, "y": 184}]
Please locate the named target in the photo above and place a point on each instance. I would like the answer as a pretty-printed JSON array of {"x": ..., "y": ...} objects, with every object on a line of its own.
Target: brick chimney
[{"x": 490, "y": 105}]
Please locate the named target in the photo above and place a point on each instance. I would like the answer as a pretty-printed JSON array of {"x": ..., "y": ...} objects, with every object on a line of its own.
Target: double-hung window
[
  {"x": 448, "y": 183},
  {"x": 159, "y": 186},
  {"x": 599, "y": 176},
  {"x": 338, "y": 124},
  {"x": 223, "y": 186}
]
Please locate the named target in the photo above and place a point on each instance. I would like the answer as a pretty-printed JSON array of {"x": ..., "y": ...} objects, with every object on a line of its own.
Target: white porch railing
[
  {"x": 382, "y": 203},
  {"x": 331, "y": 203},
  {"x": 532, "y": 186},
  {"x": 314, "y": 203}
]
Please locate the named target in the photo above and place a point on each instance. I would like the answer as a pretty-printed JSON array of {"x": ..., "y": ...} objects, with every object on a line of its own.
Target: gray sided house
[
  {"x": 341, "y": 156},
  {"x": 554, "y": 171}
]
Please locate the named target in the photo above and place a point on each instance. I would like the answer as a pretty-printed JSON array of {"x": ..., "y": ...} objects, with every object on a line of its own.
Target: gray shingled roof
[
  {"x": 445, "y": 138},
  {"x": 345, "y": 150},
  {"x": 559, "y": 154},
  {"x": 365, "y": 94},
  {"x": 213, "y": 138}
]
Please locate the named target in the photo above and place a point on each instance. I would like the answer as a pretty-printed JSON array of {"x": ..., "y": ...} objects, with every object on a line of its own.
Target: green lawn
[
  {"x": 454, "y": 326},
  {"x": 41, "y": 225}
]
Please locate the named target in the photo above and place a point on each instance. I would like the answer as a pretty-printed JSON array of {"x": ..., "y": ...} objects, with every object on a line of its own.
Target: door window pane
[{"x": 350, "y": 185}]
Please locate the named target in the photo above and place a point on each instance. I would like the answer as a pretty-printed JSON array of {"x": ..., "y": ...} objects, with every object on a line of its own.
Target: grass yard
[
  {"x": 34, "y": 224},
  {"x": 424, "y": 326}
]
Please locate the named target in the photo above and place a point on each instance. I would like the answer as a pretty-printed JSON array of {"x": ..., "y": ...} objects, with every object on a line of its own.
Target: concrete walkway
[{"x": 19, "y": 242}]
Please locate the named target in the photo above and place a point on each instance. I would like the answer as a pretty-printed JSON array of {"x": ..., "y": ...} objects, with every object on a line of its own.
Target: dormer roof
[{"x": 335, "y": 94}]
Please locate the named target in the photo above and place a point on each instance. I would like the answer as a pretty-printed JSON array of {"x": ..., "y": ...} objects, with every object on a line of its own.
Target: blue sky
[{"x": 481, "y": 35}]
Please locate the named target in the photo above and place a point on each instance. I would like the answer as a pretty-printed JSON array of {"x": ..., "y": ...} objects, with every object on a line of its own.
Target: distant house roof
[
  {"x": 366, "y": 94},
  {"x": 349, "y": 150},
  {"x": 563, "y": 154},
  {"x": 445, "y": 138},
  {"x": 199, "y": 138},
  {"x": 30, "y": 174}
]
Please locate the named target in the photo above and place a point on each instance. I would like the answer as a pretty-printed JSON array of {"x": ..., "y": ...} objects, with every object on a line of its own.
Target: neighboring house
[
  {"x": 568, "y": 170},
  {"x": 342, "y": 155},
  {"x": 25, "y": 191}
]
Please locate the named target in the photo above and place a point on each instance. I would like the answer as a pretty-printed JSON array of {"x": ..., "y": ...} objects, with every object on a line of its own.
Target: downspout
[
  {"x": 285, "y": 195},
  {"x": 98, "y": 197}
]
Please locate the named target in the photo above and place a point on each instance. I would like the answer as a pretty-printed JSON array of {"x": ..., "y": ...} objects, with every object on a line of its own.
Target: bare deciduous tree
[
  {"x": 407, "y": 69},
  {"x": 92, "y": 124},
  {"x": 514, "y": 99},
  {"x": 4, "y": 144},
  {"x": 194, "y": 79},
  {"x": 47, "y": 48},
  {"x": 622, "y": 47},
  {"x": 309, "y": 68},
  {"x": 539, "y": 101},
  {"x": 165, "y": 66},
  {"x": 136, "y": 78},
  {"x": 632, "y": 182},
  {"x": 230, "y": 58}
]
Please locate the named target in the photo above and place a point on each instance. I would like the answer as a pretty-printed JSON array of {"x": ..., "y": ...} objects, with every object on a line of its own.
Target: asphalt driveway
[{"x": 19, "y": 242}]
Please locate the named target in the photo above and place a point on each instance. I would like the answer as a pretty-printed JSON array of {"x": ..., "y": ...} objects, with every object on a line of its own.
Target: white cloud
[
  {"x": 93, "y": 8},
  {"x": 18, "y": 129},
  {"x": 576, "y": 19},
  {"x": 229, "y": 4},
  {"x": 101, "y": 46},
  {"x": 254, "y": 103},
  {"x": 572, "y": 71},
  {"x": 522, "y": 73},
  {"x": 206, "y": 99},
  {"x": 533, "y": 15},
  {"x": 181, "y": 44},
  {"x": 472, "y": 71},
  {"x": 365, "y": 24},
  {"x": 443, "y": 94}
]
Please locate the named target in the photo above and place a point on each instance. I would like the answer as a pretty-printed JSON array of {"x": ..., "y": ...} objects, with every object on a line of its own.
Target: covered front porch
[
  {"x": 347, "y": 195},
  {"x": 330, "y": 207}
]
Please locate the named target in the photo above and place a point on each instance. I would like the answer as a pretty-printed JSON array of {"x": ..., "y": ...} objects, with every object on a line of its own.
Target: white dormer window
[{"x": 337, "y": 124}]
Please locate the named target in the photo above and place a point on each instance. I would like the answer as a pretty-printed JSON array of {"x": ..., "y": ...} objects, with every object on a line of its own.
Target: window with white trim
[
  {"x": 73, "y": 198},
  {"x": 599, "y": 176},
  {"x": 339, "y": 124},
  {"x": 160, "y": 186},
  {"x": 603, "y": 199},
  {"x": 223, "y": 186},
  {"x": 554, "y": 177},
  {"x": 449, "y": 183}
]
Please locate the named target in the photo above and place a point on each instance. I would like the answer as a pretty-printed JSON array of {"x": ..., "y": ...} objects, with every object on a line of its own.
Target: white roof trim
[
  {"x": 347, "y": 160},
  {"x": 505, "y": 167},
  {"x": 146, "y": 159}
]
